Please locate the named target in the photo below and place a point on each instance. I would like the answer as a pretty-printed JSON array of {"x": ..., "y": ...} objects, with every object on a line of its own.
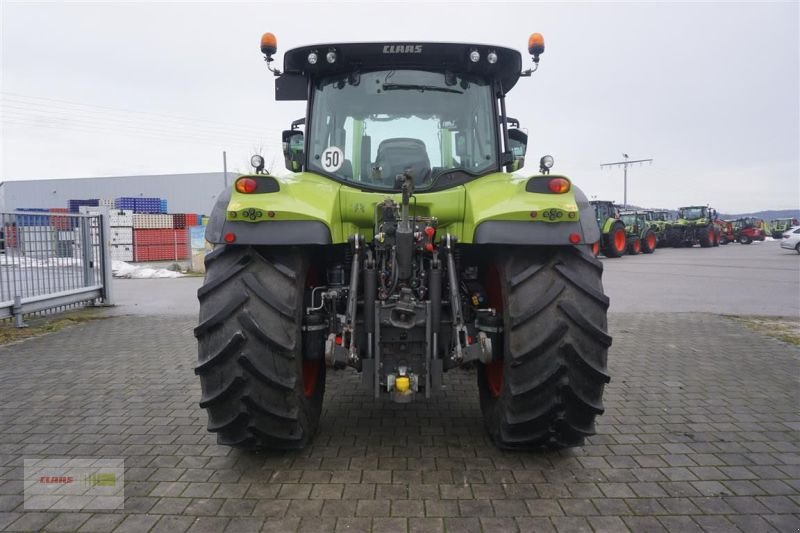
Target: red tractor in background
[
  {"x": 743, "y": 230},
  {"x": 726, "y": 233}
]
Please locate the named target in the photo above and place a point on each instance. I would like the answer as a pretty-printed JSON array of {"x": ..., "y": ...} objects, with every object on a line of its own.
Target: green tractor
[
  {"x": 401, "y": 245},
  {"x": 613, "y": 240},
  {"x": 641, "y": 237},
  {"x": 694, "y": 225},
  {"x": 779, "y": 226},
  {"x": 660, "y": 222}
]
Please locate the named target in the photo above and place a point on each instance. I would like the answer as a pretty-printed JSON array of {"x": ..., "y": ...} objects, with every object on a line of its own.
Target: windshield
[
  {"x": 628, "y": 219},
  {"x": 746, "y": 222},
  {"x": 659, "y": 215},
  {"x": 693, "y": 213},
  {"x": 371, "y": 127}
]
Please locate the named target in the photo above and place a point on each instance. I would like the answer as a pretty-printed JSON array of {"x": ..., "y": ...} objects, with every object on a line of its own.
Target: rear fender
[
  {"x": 297, "y": 211},
  {"x": 502, "y": 211}
]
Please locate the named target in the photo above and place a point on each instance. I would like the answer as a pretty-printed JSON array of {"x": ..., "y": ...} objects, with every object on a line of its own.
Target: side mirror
[
  {"x": 293, "y": 148},
  {"x": 517, "y": 145}
]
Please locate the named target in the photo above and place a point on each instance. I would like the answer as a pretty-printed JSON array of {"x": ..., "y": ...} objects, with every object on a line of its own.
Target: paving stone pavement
[{"x": 701, "y": 433}]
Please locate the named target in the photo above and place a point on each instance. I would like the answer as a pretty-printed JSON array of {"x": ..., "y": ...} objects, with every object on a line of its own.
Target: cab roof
[{"x": 453, "y": 57}]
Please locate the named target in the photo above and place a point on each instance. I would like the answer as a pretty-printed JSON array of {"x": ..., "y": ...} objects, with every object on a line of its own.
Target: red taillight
[
  {"x": 574, "y": 238},
  {"x": 246, "y": 185},
  {"x": 558, "y": 185},
  {"x": 230, "y": 237}
]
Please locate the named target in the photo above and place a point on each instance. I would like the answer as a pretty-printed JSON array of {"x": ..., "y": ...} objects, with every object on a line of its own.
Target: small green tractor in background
[
  {"x": 660, "y": 222},
  {"x": 780, "y": 225},
  {"x": 613, "y": 239},
  {"x": 694, "y": 225},
  {"x": 641, "y": 237}
]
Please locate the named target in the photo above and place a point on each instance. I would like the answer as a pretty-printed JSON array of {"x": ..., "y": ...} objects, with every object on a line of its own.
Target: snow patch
[{"x": 121, "y": 269}]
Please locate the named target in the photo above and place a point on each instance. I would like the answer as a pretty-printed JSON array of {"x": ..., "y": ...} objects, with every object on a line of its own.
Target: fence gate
[{"x": 49, "y": 260}]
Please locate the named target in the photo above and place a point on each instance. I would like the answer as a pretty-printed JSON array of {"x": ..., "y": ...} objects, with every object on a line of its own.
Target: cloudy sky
[{"x": 709, "y": 91}]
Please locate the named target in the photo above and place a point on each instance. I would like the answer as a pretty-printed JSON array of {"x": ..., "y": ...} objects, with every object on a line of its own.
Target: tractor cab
[
  {"x": 634, "y": 221},
  {"x": 380, "y": 113},
  {"x": 693, "y": 213},
  {"x": 604, "y": 210},
  {"x": 658, "y": 216}
]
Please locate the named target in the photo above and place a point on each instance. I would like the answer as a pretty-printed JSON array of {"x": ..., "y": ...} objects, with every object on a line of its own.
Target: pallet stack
[
  {"x": 62, "y": 223},
  {"x": 140, "y": 229},
  {"x": 145, "y": 221},
  {"x": 121, "y": 222},
  {"x": 34, "y": 235},
  {"x": 162, "y": 244},
  {"x": 75, "y": 205},
  {"x": 127, "y": 203}
]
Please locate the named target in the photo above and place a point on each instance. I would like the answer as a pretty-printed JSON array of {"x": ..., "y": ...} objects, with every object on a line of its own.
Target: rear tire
[
  {"x": 744, "y": 239},
  {"x": 649, "y": 242},
  {"x": 614, "y": 242},
  {"x": 555, "y": 348},
  {"x": 257, "y": 389}
]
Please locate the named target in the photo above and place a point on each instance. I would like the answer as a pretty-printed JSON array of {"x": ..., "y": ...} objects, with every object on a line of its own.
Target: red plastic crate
[
  {"x": 10, "y": 235},
  {"x": 154, "y": 237},
  {"x": 160, "y": 252},
  {"x": 179, "y": 221},
  {"x": 61, "y": 223},
  {"x": 191, "y": 219}
]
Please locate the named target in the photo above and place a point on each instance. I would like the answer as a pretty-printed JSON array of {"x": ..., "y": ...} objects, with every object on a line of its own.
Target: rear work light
[
  {"x": 558, "y": 185},
  {"x": 246, "y": 185}
]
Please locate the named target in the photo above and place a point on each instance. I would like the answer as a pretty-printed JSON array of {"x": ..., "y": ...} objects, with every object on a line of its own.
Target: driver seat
[{"x": 399, "y": 154}]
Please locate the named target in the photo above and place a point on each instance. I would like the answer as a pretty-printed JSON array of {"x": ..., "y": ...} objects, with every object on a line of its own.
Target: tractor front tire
[
  {"x": 257, "y": 389},
  {"x": 744, "y": 239},
  {"x": 706, "y": 237},
  {"x": 614, "y": 242},
  {"x": 649, "y": 242},
  {"x": 635, "y": 246},
  {"x": 548, "y": 388}
]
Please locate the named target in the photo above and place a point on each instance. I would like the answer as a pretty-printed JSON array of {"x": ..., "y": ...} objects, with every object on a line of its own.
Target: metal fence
[{"x": 52, "y": 260}]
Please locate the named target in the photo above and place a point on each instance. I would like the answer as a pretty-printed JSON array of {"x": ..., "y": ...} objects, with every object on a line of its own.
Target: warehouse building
[{"x": 185, "y": 193}]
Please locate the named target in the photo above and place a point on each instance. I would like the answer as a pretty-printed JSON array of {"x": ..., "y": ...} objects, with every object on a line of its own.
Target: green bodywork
[
  {"x": 692, "y": 226},
  {"x": 779, "y": 225},
  {"x": 607, "y": 225},
  {"x": 660, "y": 223},
  {"x": 635, "y": 224},
  {"x": 604, "y": 214},
  {"x": 346, "y": 210},
  {"x": 692, "y": 222}
]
